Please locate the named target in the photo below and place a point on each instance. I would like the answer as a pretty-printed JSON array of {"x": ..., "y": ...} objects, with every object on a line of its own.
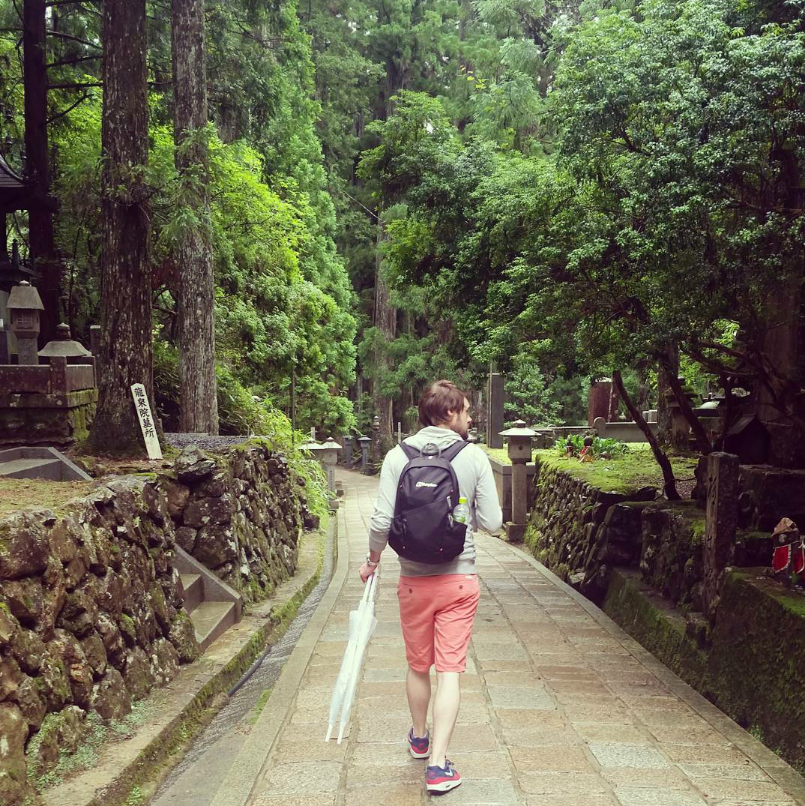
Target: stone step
[
  {"x": 193, "y": 586},
  {"x": 31, "y": 469},
  {"x": 210, "y": 619}
]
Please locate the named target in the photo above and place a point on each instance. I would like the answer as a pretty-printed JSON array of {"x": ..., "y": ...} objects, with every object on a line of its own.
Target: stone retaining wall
[
  {"x": 91, "y": 615},
  {"x": 91, "y": 618},
  {"x": 581, "y": 532},
  {"x": 750, "y": 667},
  {"x": 642, "y": 562},
  {"x": 240, "y": 513}
]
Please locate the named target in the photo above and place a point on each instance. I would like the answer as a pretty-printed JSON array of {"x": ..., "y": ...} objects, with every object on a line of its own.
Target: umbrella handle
[
  {"x": 369, "y": 588},
  {"x": 371, "y": 591}
]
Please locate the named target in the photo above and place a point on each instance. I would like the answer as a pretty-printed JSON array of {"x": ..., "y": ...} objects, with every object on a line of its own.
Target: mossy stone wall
[
  {"x": 564, "y": 519},
  {"x": 642, "y": 561},
  {"x": 650, "y": 619},
  {"x": 751, "y": 667},
  {"x": 91, "y": 619},
  {"x": 580, "y": 531},
  {"x": 240, "y": 513},
  {"x": 756, "y": 671},
  {"x": 91, "y": 608}
]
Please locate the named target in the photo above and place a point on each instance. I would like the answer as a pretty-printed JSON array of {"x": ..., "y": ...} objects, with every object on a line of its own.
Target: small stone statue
[{"x": 788, "y": 560}]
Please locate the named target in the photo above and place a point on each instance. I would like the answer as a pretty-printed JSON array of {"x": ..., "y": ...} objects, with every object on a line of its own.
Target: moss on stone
[
  {"x": 753, "y": 670},
  {"x": 756, "y": 670},
  {"x": 623, "y": 474},
  {"x": 17, "y": 494},
  {"x": 648, "y": 619}
]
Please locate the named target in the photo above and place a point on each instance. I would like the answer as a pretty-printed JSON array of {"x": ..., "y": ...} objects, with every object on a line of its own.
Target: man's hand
[{"x": 367, "y": 571}]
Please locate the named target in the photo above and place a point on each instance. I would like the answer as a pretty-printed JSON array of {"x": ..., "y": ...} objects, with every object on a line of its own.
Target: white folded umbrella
[{"x": 361, "y": 626}]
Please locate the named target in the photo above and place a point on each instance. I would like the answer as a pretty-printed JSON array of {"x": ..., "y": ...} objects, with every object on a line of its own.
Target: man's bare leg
[
  {"x": 417, "y": 687},
  {"x": 445, "y": 712}
]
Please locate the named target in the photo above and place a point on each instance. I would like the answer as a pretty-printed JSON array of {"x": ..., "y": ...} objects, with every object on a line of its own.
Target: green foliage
[
  {"x": 283, "y": 300},
  {"x": 643, "y": 191},
  {"x": 573, "y": 444}
]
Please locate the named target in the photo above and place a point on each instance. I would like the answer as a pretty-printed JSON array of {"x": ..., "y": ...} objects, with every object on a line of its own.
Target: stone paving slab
[{"x": 560, "y": 707}]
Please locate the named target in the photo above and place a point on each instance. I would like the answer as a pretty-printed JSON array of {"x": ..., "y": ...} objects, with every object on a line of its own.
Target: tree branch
[
  {"x": 64, "y": 62},
  {"x": 71, "y": 38},
  {"x": 79, "y": 86},
  {"x": 702, "y": 441},
  {"x": 68, "y": 110}
]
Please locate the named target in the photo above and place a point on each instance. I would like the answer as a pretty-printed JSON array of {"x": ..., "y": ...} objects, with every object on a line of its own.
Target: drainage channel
[{"x": 193, "y": 782}]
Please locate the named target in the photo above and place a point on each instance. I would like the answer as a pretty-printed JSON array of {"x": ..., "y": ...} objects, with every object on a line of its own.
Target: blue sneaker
[
  {"x": 442, "y": 779},
  {"x": 420, "y": 748}
]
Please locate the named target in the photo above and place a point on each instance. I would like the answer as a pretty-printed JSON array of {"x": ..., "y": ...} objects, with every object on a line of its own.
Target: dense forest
[{"x": 379, "y": 192}]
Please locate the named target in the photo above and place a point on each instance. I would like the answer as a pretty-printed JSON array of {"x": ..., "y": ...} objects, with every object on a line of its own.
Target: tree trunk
[
  {"x": 385, "y": 320},
  {"x": 665, "y": 426},
  {"x": 40, "y": 218},
  {"x": 702, "y": 440},
  {"x": 198, "y": 404},
  {"x": 126, "y": 356},
  {"x": 669, "y": 486}
]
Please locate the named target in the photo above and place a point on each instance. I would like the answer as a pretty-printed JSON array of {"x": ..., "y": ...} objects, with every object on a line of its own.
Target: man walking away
[{"x": 420, "y": 509}]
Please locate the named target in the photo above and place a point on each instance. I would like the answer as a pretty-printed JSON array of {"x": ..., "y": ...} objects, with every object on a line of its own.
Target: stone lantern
[
  {"x": 24, "y": 305},
  {"x": 64, "y": 346},
  {"x": 347, "y": 440},
  {"x": 329, "y": 458},
  {"x": 314, "y": 448},
  {"x": 519, "y": 438}
]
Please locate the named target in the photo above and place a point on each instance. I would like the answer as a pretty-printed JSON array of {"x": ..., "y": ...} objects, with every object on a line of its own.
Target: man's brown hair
[{"x": 437, "y": 400}]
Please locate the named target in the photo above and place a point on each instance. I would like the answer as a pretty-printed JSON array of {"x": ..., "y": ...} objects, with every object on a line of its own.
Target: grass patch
[
  {"x": 633, "y": 470},
  {"x": 501, "y": 454},
  {"x": 17, "y": 494},
  {"x": 621, "y": 474}
]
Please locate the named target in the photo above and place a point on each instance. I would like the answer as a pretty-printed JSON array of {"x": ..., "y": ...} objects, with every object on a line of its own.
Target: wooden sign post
[{"x": 146, "y": 422}]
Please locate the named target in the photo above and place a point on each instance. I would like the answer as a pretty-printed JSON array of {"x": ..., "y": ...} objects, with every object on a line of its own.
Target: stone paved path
[{"x": 559, "y": 707}]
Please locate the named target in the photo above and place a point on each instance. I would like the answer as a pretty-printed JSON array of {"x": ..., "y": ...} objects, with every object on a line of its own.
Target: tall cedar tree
[
  {"x": 198, "y": 398},
  {"x": 126, "y": 353},
  {"x": 34, "y": 33}
]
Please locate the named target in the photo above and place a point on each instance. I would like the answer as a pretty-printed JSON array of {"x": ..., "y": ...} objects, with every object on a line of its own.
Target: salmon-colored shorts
[{"x": 436, "y": 613}]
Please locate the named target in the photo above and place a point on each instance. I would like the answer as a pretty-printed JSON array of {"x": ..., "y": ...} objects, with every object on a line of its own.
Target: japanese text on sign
[{"x": 147, "y": 426}]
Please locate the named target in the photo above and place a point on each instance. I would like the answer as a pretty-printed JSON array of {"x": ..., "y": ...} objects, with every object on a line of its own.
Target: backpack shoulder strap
[
  {"x": 454, "y": 450},
  {"x": 410, "y": 452}
]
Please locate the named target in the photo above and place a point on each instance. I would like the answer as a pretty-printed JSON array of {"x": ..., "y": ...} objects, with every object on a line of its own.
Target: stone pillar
[
  {"x": 3, "y": 343},
  {"x": 329, "y": 458},
  {"x": 600, "y": 401},
  {"x": 346, "y": 441},
  {"x": 516, "y": 528},
  {"x": 365, "y": 442},
  {"x": 376, "y": 446},
  {"x": 495, "y": 401},
  {"x": 722, "y": 521}
]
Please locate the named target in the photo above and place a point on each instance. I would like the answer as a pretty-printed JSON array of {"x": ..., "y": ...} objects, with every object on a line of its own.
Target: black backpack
[{"x": 423, "y": 529}]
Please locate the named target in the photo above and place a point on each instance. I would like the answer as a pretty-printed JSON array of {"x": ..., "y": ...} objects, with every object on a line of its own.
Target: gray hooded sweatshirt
[{"x": 475, "y": 483}]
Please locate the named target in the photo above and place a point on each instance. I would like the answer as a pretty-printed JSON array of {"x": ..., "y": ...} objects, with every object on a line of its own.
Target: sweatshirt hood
[{"x": 441, "y": 437}]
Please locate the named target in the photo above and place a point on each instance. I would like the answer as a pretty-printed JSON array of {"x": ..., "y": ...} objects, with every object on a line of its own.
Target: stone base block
[
  {"x": 515, "y": 532},
  {"x": 57, "y": 420}
]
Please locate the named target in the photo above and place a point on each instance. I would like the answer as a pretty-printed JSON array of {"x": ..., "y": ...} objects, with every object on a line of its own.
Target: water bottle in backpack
[{"x": 461, "y": 512}]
